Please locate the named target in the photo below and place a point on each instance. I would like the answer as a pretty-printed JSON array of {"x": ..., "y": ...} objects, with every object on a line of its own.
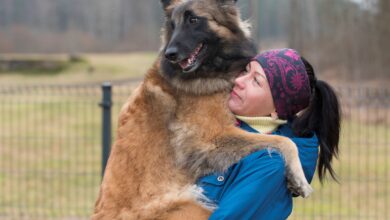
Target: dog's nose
[{"x": 171, "y": 53}]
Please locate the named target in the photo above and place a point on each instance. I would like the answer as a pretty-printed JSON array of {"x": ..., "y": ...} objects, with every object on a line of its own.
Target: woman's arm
[{"x": 256, "y": 189}]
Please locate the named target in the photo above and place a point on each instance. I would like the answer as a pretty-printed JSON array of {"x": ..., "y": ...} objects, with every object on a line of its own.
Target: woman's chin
[{"x": 234, "y": 107}]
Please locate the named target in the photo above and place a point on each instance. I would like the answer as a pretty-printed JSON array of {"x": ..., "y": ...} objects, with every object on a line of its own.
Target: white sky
[{"x": 371, "y": 5}]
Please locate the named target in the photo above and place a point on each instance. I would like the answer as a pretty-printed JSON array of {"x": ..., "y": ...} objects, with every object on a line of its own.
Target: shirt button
[{"x": 220, "y": 178}]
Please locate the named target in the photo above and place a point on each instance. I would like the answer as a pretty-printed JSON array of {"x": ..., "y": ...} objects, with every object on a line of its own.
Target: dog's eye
[{"x": 194, "y": 20}]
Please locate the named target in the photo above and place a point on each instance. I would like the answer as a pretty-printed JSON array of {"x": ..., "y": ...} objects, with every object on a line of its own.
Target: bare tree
[{"x": 341, "y": 36}]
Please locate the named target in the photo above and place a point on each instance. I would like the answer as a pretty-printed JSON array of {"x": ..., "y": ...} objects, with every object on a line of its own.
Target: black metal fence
[
  {"x": 51, "y": 153},
  {"x": 50, "y": 149}
]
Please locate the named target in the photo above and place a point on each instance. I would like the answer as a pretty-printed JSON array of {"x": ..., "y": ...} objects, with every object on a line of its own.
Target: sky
[{"x": 371, "y": 5}]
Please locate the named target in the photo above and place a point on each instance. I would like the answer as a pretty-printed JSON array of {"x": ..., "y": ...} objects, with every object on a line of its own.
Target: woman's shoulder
[
  {"x": 308, "y": 141},
  {"x": 308, "y": 148}
]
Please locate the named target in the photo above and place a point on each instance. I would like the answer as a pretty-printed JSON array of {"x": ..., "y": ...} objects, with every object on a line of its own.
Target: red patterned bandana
[{"x": 288, "y": 80}]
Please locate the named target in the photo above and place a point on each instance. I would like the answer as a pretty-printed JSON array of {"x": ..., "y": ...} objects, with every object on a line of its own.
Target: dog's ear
[
  {"x": 169, "y": 5},
  {"x": 166, "y": 3}
]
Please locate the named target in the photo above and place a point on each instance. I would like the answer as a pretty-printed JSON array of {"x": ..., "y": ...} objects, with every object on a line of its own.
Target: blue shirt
[{"x": 256, "y": 186}]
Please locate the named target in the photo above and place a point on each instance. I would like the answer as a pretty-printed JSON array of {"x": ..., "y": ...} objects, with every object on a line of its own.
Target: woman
[{"x": 278, "y": 93}]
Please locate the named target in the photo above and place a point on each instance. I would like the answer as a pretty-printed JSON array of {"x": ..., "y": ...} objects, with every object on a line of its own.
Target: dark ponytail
[{"x": 322, "y": 116}]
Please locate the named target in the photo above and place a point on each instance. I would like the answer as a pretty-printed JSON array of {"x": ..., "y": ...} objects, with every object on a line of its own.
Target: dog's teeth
[{"x": 192, "y": 58}]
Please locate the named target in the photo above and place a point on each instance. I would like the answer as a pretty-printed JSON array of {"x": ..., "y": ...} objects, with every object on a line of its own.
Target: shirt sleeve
[{"x": 258, "y": 191}]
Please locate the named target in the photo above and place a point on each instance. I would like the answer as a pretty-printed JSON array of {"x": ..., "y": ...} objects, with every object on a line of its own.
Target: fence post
[{"x": 106, "y": 125}]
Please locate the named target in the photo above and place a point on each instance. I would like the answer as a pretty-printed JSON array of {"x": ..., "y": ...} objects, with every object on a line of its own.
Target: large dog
[{"x": 176, "y": 126}]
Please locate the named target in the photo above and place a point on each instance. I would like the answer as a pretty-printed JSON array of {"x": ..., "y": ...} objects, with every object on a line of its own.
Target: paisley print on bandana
[{"x": 288, "y": 80}]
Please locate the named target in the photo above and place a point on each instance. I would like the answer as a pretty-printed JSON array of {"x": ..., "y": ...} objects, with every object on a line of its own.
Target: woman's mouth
[{"x": 234, "y": 94}]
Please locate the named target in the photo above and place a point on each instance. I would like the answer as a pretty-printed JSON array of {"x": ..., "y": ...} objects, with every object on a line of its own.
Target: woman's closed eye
[{"x": 257, "y": 82}]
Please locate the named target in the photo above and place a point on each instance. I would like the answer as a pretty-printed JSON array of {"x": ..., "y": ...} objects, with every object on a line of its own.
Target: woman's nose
[{"x": 240, "y": 81}]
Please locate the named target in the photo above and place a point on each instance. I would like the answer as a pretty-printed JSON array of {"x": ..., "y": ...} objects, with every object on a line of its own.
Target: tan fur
[
  {"x": 167, "y": 137},
  {"x": 141, "y": 180}
]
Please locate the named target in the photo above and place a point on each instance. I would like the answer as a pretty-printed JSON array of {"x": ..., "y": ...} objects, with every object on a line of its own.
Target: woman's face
[{"x": 251, "y": 95}]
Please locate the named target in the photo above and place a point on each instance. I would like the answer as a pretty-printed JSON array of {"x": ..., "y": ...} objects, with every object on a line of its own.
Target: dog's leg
[
  {"x": 203, "y": 157},
  {"x": 242, "y": 143}
]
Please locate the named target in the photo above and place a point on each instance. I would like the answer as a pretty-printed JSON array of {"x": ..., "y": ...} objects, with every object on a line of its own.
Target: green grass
[
  {"x": 50, "y": 155},
  {"x": 93, "y": 68},
  {"x": 364, "y": 175}
]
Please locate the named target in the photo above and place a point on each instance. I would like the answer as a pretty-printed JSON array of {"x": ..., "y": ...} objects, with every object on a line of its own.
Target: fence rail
[{"x": 51, "y": 153}]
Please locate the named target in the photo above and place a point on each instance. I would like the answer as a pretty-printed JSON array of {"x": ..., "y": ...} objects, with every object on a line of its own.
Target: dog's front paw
[
  {"x": 304, "y": 190},
  {"x": 298, "y": 185}
]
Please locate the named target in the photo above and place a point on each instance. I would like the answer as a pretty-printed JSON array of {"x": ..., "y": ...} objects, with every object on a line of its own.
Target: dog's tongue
[
  {"x": 183, "y": 64},
  {"x": 187, "y": 62},
  {"x": 190, "y": 60}
]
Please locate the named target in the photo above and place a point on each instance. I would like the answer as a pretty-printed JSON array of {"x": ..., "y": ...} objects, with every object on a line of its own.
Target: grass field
[
  {"x": 363, "y": 171},
  {"x": 50, "y": 153},
  {"x": 94, "y": 68}
]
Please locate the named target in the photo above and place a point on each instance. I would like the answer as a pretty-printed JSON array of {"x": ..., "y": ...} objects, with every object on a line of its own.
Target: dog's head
[{"x": 204, "y": 39}]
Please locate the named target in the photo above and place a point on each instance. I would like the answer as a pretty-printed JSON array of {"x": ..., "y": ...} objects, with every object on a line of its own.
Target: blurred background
[{"x": 57, "y": 120}]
